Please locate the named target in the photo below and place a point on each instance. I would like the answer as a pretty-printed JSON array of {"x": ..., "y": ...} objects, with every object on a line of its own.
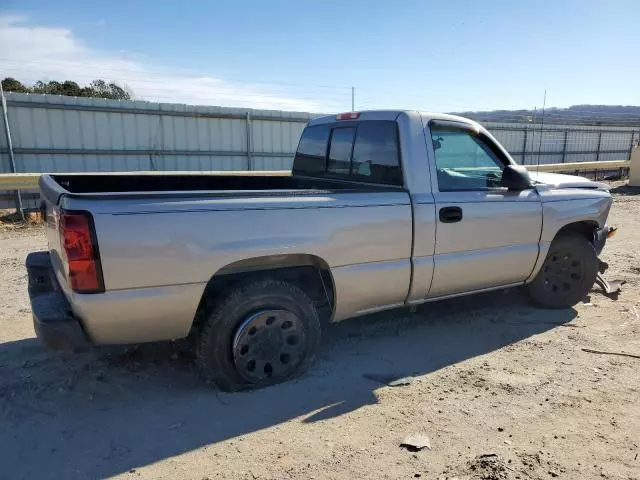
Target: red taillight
[
  {"x": 348, "y": 116},
  {"x": 81, "y": 252}
]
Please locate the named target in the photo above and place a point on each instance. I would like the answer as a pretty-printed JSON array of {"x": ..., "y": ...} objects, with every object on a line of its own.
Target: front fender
[{"x": 562, "y": 207}]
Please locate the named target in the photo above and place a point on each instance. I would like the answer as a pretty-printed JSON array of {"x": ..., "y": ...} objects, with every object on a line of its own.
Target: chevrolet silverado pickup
[{"x": 382, "y": 209}]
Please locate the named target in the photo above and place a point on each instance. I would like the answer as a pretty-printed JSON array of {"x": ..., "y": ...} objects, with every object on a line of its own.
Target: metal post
[
  {"x": 12, "y": 160},
  {"x": 524, "y": 146},
  {"x": 249, "y": 147},
  {"x": 564, "y": 146},
  {"x": 599, "y": 142},
  {"x": 633, "y": 135},
  {"x": 353, "y": 99}
]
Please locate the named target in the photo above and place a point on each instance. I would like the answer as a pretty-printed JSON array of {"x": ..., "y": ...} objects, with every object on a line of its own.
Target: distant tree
[
  {"x": 12, "y": 85},
  {"x": 102, "y": 89},
  {"x": 96, "y": 89},
  {"x": 68, "y": 88}
]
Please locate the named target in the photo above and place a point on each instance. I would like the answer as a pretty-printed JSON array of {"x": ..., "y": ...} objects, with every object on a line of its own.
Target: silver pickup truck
[{"x": 383, "y": 209}]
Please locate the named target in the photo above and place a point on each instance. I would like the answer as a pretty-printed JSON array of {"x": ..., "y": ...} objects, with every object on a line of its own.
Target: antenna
[
  {"x": 544, "y": 104},
  {"x": 526, "y": 133}
]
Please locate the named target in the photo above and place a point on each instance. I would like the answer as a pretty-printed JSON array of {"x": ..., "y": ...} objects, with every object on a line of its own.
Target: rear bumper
[{"x": 53, "y": 321}]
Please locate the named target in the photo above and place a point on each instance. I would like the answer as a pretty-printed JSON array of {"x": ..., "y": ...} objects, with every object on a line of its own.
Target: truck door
[{"x": 486, "y": 235}]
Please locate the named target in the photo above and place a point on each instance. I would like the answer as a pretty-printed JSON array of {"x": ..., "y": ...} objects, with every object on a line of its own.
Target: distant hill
[{"x": 577, "y": 114}]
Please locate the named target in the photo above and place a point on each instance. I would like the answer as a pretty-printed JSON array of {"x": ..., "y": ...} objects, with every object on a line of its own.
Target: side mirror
[{"x": 516, "y": 177}]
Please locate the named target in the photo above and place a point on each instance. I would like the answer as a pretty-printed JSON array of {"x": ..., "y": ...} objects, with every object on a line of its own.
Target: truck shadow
[{"x": 113, "y": 410}]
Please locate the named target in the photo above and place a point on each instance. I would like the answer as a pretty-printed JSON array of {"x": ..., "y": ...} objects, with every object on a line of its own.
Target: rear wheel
[
  {"x": 259, "y": 334},
  {"x": 567, "y": 274}
]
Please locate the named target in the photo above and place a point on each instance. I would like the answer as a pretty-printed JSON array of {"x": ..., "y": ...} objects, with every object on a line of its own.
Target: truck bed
[
  {"x": 161, "y": 238},
  {"x": 147, "y": 183}
]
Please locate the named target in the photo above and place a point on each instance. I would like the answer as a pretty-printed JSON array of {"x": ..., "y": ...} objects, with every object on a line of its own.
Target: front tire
[
  {"x": 259, "y": 334},
  {"x": 567, "y": 274}
]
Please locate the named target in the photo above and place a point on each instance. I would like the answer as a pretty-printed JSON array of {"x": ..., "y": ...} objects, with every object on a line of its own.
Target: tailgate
[
  {"x": 51, "y": 216},
  {"x": 52, "y": 194}
]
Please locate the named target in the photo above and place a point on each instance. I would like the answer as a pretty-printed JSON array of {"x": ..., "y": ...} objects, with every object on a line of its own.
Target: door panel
[
  {"x": 489, "y": 220},
  {"x": 495, "y": 243},
  {"x": 477, "y": 269},
  {"x": 486, "y": 235}
]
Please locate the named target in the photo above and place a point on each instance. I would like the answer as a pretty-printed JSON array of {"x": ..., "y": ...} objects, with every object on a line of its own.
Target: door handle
[{"x": 450, "y": 214}]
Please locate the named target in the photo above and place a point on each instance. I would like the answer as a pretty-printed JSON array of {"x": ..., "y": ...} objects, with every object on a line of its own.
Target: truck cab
[{"x": 472, "y": 229}]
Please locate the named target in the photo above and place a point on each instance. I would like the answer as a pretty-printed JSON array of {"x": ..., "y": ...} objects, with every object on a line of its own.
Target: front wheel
[
  {"x": 567, "y": 274},
  {"x": 264, "y": 332}
]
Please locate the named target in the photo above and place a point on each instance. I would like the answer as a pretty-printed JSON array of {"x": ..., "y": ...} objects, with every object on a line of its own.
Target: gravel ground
[{"x": 502, "y": 390}]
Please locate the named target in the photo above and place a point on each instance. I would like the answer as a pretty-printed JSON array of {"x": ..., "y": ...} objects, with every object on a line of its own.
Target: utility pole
[
  {"x": 353, "y": 99},
  {"x": 12, "y": 160}
]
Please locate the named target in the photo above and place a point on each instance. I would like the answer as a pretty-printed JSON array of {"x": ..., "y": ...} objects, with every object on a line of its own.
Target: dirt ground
[{"x": 502, "y": 390}]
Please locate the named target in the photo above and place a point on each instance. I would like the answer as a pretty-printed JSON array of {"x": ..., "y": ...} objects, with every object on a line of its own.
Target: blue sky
[{"x": 449, "y": 55}]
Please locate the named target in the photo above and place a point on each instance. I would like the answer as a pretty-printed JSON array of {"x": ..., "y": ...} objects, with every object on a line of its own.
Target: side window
[
  {"x": 463, "y": 162},
  {"x": 312, "y": 150},
  {"x": 375, "y": 153},
  {"x": 340, "y": 150}
]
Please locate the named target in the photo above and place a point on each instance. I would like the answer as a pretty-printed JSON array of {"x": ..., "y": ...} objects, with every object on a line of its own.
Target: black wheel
[
  {"x": 259, "y": 334},
  {"x": 567, "y": 274}
]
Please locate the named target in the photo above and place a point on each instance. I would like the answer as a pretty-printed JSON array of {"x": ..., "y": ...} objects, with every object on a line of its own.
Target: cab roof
[{"x": 392, "y": 115}]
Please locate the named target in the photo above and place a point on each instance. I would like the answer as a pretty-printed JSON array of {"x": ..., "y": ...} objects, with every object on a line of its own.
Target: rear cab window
[
  {"x": 312, "y": 149},
  {"x": 365, "y": 151},
  {"x": 340, "y": 148}
]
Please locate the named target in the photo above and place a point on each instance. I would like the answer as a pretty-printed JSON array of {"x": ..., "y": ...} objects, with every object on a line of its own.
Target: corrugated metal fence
[{"x": 67, "y": 134}]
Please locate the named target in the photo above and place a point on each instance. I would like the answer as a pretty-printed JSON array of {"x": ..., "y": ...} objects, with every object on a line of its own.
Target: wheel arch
[
  {"x": 309, "y": 272},
  {"x": 586, "y": 228},
  {"x": 270, "y": 262},
  {"x": 583, "y": 228}
]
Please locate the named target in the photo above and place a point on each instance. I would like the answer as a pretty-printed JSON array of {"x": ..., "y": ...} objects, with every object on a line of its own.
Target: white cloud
[{"x": 31, "y": 52}]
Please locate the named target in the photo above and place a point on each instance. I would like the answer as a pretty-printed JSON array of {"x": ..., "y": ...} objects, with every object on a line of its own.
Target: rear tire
[
  {"x": 259, "y": 334},
  {"x": 567, "y": 274}
]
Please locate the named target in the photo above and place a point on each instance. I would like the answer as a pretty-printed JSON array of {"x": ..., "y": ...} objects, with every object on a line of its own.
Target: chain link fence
[{"x": 533, "y": 144}]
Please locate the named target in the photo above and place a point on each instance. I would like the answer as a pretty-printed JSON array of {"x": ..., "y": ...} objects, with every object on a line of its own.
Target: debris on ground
[
  {"x": 620, "y": 354},
  {"x": 611, "y": 287},
  {"x": 415, "y": 442}
]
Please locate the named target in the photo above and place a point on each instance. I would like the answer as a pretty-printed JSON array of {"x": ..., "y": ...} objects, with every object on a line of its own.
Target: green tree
[
  {"x": 102, "y": 89},
  {"x": 12, "y": 85},
  {"x": 96, "y": 89}
]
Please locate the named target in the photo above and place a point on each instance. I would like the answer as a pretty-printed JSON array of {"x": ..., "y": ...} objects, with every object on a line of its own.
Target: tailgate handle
[{"x": 450, "y": 214}]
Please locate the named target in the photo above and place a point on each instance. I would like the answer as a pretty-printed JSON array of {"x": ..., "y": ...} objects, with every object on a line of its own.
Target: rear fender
[{"x": 309, "y": 272}]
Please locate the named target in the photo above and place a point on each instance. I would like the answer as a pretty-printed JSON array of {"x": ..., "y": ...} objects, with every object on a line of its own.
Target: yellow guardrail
[
  {"x": 574, "y": 166},
  {"x": 18, "y": 181},
  {"x": 29, "y": 181}
]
